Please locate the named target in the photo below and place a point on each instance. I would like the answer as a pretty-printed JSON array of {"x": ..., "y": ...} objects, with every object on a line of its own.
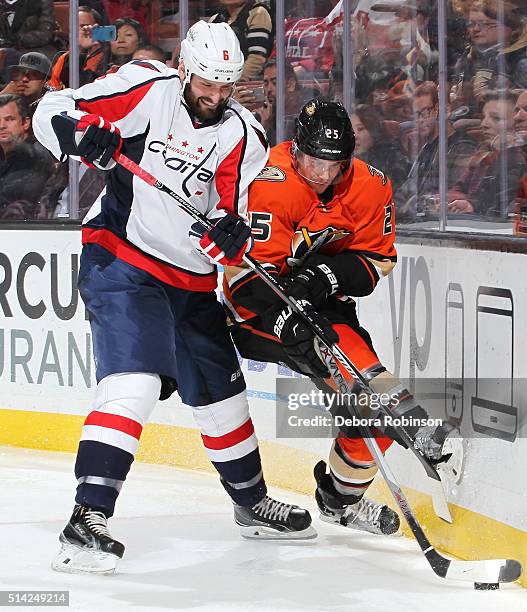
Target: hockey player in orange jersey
[{"x": 324, "y": 222}]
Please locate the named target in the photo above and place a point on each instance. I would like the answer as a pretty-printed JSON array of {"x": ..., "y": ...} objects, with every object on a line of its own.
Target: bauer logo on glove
[{"x": 298, "y": 341}]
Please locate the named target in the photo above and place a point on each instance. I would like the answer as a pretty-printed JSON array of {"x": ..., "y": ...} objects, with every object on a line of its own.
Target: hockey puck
[{"x": 486, "y": 586}]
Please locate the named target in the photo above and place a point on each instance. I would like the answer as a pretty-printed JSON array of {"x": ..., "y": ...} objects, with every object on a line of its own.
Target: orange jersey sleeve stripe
[
  {"x": 373, "y": 281},
  {"x": 257, "y": 332},
  {"x": 235, "y": 286}
]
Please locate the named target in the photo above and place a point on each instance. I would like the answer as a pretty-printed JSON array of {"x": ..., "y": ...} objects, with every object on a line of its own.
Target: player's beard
[{"x": 200, "y": 110}]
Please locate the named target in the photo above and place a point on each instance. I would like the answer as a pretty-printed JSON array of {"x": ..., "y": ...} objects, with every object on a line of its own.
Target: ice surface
[{"x": 184, "y": 552}]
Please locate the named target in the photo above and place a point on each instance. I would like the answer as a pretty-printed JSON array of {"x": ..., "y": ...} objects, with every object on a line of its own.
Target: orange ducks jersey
[{"x": 288, "y": 220}]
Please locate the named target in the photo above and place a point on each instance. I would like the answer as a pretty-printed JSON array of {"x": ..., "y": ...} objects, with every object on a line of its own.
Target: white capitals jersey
[{"x": 211, "y": 166}]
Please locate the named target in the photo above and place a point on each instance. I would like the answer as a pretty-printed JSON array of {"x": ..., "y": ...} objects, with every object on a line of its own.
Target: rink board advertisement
[{"x": 444, "y": 312}]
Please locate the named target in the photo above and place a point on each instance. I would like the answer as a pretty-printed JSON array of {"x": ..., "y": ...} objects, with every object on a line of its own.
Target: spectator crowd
[{"x": 395, "y": 71}]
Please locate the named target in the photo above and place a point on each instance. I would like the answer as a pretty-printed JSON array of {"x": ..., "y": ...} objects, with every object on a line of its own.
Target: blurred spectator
[
  {"x": 27, "y": 24},
  {"x": 28, "y": 77},
  {"x": 419, "y": 195},
  {"x": 520, "y": 127},
  {"x": 130, "y": 36},
  {"x": 308, "y": 38},
  {"x": 24, "y": 163},
  {"x": 497, "y": 53},
  {"x": 136, "y": 10},
  {"x": 252, "y": 23},
  {"x": 98, "y": 8},
  {"x": 19, "y": 210},
  {"x": 457, "y": 35},
  {"x": 333, "y": 23},
  {"x": 55, "y": 200},
  {"x": 93, "y": 55},
  {"x": 373, "y": 78},
  {"x": 146, "y": 52},
  {"x": 413, "y": 35},
  {"x": 295, "y": 97},
  {"x": 520, "y": 115},
  {"x": 482, "y": 186},
  {"x": 423, "y": 57},
  {"x": 375, "y": 146},
  {"x": 398, "y": 103},
  {"x": 398, "y": 46}
]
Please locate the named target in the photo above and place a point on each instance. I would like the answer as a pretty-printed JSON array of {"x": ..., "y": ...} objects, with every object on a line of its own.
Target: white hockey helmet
[{"x": 212, "y": 51}]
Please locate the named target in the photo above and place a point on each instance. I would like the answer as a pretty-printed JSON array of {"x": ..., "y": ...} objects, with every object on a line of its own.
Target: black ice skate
[
  {"x": 274, "y": 520},
  {"x": 352, "y": 511},
  {"x": 86, "y": 544}
]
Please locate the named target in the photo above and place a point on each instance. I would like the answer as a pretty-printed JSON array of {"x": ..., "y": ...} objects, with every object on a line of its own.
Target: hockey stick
[
  {"x": 482, "y": 571},
  {"x": 273, "y": 283},
  {"x": 64, "y": 126},
  {"x": 438, "y": 495},
  {"x": 439, "y": 501}
]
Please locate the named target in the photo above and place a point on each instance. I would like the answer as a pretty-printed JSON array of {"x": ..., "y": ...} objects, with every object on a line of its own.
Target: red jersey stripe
[
  {"x": 163, "y": 272},
  {"x": 144, "y": 64},
  {"x": 114, "y": 421},
  {"x": 116, "y": 106},
  {"x": 228, "y": 179},
  {"x": 236, "y": 436}
]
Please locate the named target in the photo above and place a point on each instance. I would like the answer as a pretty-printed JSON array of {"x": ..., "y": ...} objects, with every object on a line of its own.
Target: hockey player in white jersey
[{"x": 150, "y": 293}]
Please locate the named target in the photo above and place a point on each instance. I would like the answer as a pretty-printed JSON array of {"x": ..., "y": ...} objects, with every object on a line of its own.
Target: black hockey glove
[
  {"x": 346, "y": 273},
  {"x": 298, "y": 340},
  {"x": 226, "y": 242},
  {"x": 315, "y": 283},
  {"x": 91, "y": 137}
]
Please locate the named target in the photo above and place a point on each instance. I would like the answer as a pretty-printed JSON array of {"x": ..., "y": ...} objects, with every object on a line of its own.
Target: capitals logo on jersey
[{"x": 185, "y": 161}]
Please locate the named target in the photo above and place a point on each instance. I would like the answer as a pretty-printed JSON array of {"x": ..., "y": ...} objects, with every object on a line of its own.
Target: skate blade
[
  {"x": 75, "y": 560},
  {"x": 357, "y": 527},
  {"x": 259, "y": 532}
]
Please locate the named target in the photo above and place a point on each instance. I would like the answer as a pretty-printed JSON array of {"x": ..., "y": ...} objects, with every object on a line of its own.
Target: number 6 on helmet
[{"x": 212, "y": 51}]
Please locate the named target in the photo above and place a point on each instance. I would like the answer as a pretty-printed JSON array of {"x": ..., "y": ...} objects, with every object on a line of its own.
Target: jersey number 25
[{"x": 260, "y": 225}]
